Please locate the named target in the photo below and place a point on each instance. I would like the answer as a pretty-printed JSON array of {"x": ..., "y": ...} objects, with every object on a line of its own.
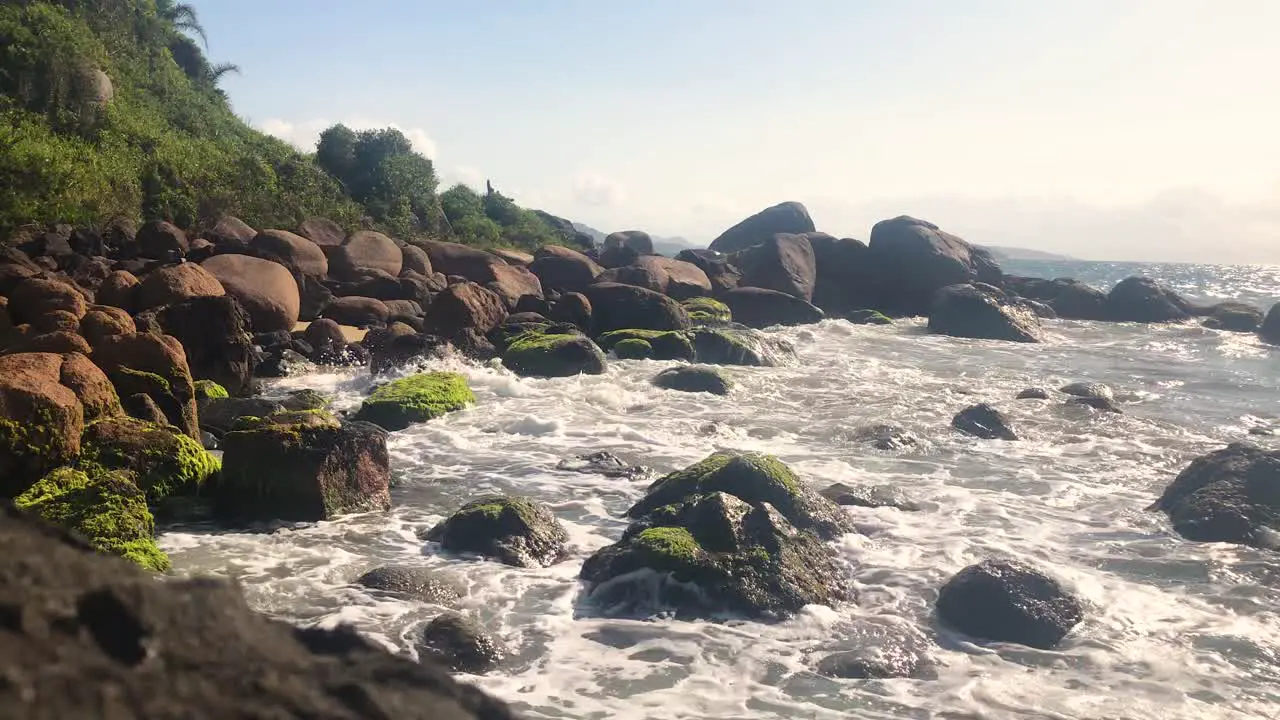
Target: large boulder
[
  {"x": 562, "y": 269},
  {"x": 1229, "y": 495},
  {"x": 693, "y": 378},
  {"x": 680, "y": 280},
  {"x": 295, "y": 252},
  {"x": 762, "y": 308},
  {"x": 415, "y": 259},
  {"x": 1234, "y": 317},
  {"x": 117, "y": 290},
  {"x": 1069, "y": 298},
  {"x": 455, "y": 259},
  {"x": 34, "y": 297},
  {"x": 624, "y": 307},
  {"x": 707, "y": 311},
  {"x": 1269, "y": 332},
  {"x": 462, "y": 306},
  {"x": 510, "y": 283},
  {"x": 216, "y": 338},
  {"x": 644, "y": 276},
  {"x": 912, "y": 259},
  {"x": 154, "y": 365},
  {"x": 572, "y": 308},
  {"x": 844, "y": 278},
  {"x": 325, "y": 233},
  {"x": 967, "y": 311},
  {"x": 739, "y": 345},
  {"x": 461, "y": 644},
  {"x": 363, "y": 251},
  {"x": 538, "y": 354},
  {"x": 231, "y": 233},
  {"x": 182, "y": 648},
  {"x": 512, "y": 530},
  {"x": 787, "y": 217},
  {"x": 715, "y": 265},
  {"x": 1143, "y": 300},
  {"x": 160, "y": 240},
  {"x": 663, "y": 344},
  {"x": 625, "y": 247},
  {"x": 984, "y": 421},
  {"x": 266, "y": 289},
  {"x": 174, "y": 284},
  {"x": 414, "y": 399},
  {"x": 783, "y": 262},
  {"x": 304, "y": 467},
  {"x": 103, "y": 321},
  {"x": 162, "y": 461},
  {"x": 361, "y": 312},
  {"x": 1009, "y": 601}
]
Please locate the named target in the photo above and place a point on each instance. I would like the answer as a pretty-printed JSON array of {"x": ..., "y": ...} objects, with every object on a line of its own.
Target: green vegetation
[
  {"x": 494, "y": 220},
  {"x": 164, "y": 461},
  {"x": 414, "y": 399},
  {"x": 209, "y": 390},
  {"x": 672, "y": 542}
]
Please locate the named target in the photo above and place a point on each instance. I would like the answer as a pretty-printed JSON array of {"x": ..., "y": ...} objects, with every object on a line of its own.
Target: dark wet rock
[
  {"x": 1234, "y": 317},
  {"x": 885, "y": 649},
  {"x": 601, "y": 463},
  {"x": 984, "y": 421},
  {"x": 1097, "y": 403},
  {"x": 465, "y": 305},
  {"x": 762, "y": 308},
  {"x": 1261, "y": 431},
  {"x": 782, "y": 262},
  {"x": 539, "y": 354},
  {"x": 182, "y": 648},
  {"x": 1069, "y": 298},
  {"x": 1269, "y": 332},
  {"x": 722, "y": 275},
  {"x": 214, "y": 332},
  {"x": 911, "y": 260},
  {"x": 664, "y": 344},
  {"x": 284, "y": 363},
  {"x": 140, "y": 406},
  {"x": 633, "y": 349},
  {"x": 1039, "y": 309},
  {"x": 845, "y": 282},
  {"x": 1143, "y": 300},
  {"x": 786, "y": 217},
  {"x": 625, "y": 307},
  {"x": 1230, "y": 495},
  {"x": 869, "y": 496},
  {"x": 693, "y": 378},
  {"x": 415, "y": 582},
  {"x": 563, "y": 269},
  {"x": 461, "y": 644},
  {"x": 737, "y": 345},
  {"x": 160, "y": 240},
  {"x": 1009, "y": 601},
  {"x": 886, "y": 437},
  {"x": 966, "y": 311},
  {"x": 1034, "y": 393},
  {"x": 513, "y": 530},
  {"x": 218, "y": 415},
  {"x": 572, "y": 308},
  {"x": 868, "y": 317},
  {"x": 1089, "y": 390}
]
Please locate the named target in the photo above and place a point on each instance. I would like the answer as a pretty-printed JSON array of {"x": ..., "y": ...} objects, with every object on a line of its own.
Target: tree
[
  {"x": 336, "y": 152},
  {"x": 381, "y": 171},
  {"x": 182, "y": 17},
  {"x": 460, "y": 202}
]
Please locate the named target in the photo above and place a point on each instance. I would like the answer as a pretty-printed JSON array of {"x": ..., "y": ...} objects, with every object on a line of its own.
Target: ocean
[{"x": 1173, "y": 629}]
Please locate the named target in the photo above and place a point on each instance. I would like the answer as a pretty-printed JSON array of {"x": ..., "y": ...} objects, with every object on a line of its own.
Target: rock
[
  {"x": 624, "y": 307},
  {"x": 219, "y": 415},
  {"x": 231, "y": 233},
  {"x": 707, "y": 311},
  {"x": 513, "y": 530},
  {"x": 783, "y": 262},
  {"x": 117, "y": 290},
  {"x": 844, "y": 278},
  {"x": 641, "y": 276},
  {"x": 715, "y": 265},
  {"x": 265, "y": 289},
  {"x": 402, "y": 309},
  {"x": 1037, "y": 308},
  {"x": 1033, "y": 394},
  {"x": 1009, "y": 601},
  {"x": 181, "y": 648},
  {"x": 1143, "y": 300},
  {"x": 572, "y": 308},
  {"x": 140, "y": 406},
  {"x": 97, "y": 396},
  {"x": 103, "y": 321},
  {"x": 868, "y": 317},
  {"x": 637, "y": 241},
  {"x": 325, "y": 233},
  {"x": 633, "y": 349},
  {"x": 163, "y": 461},
  {"x": 559, "y": 268},
  {"x": 889, "y": 438},
  {"x": 663, "y": 344},
  {"x": 886, "y": 648},
  {"x": 732, "y": 346},
  {"x": 57, "y": 343},
  {"x": 35, "y": 297},
  {"x": 1261, "y": 431},
  {"x": 159, "y": 240},
  {"x": 1227, "y": 496},
  {"x": 57, "y": 321},
  {"x": 462, "y": 306},
  {"x": 1234, "y": 317},
  {"x": 870, "y": 496},
  {"x": 214, "y": 333},
  {"x": 537, "y": 354},
  {"x": 302, "y": 467},
  {"x": 414, "y": 582},
  {"x": 1097, "y": 403},
  {"x": 966, "y": 311},
  {"x": 414, "y": 399},
  {"x": 461, "y": 644},
  {"x": 1088, "y": 390},
  {"x": 415, "y": 259},
  {"x": 761, "y": 308},
  {"x": 511, "y": 283},
  {"x": 1070, "y": 299},
  {"x": 41, "y": 419},
  {"x": 454, "y": 259},
  {"x": 361, "y": 312},
  {"x": 157, "y": 366},
  {"x": 677, "y": 279},
  {"x": 296, "y": 253},
  {"x": 912, "y": 260},
  {"x": 209, "y": 390},
  {"x": 368, "y": 250},
  {"x": 984, "y": 421},
  {"x": 787, "y": 217},
  {"x": 514, "y": 258},
  {"x": 1270, "y": 330},
  {"x": 601, "y": 463},
  {"x": 105, "y": 508},
  {"x": 693, "y": 378}
]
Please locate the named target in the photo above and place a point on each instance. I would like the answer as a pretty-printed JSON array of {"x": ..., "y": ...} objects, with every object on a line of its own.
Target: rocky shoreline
[{"x": 127, "y": 356}]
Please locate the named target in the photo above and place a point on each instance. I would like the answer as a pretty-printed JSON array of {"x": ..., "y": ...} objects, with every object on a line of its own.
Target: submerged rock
[
  {"x": 460, "y": 643},
  {"x": 665, "y": 345},
  {"x": 1089, "y": 390},
  {"x": 870, "y": 496},
  {"x": 885, "y": 649},
  {"x": 868, "y": 317},
  {"x": 1009, "y": 601},
  {"x": 512, "y": 530},
  {"x": 538, "y": 354},
  {"x": 418, "y": 583},
  {"x": 1097, "y": 403},
  {"x": 1269, "y": 332},
  {"x": 737, "y": 345},
  {"x": 966, "y": 311},
  {"x": 886, "y": 437},
  {"x": 984, "y": 421},
  {"x": 601, "y": 463},
  {"x": 1234, "y": 317},
  {"x": 1230, "y": 495},
  {"x": 414, "y": 399},
  {"x": 693, "y": 378},
  {"x": 1033, "y": 394}
]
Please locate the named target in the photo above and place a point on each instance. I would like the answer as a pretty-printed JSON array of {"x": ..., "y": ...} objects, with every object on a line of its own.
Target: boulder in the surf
[
  {"x": 1088, "y": 390},
  {"x": 550, "y": 354},
  {"x": 1143, "y": 300},
  {"x": 615, "y": 306},
  {"x": 665, "y": 344},
  {"x": 1234, "y": 317},
  {"x": 1009, "y": 601},
  {"x": 693, "y": 378},
  {"x": 739, "y": 345},
  {"x": 912, "y": 259},
  {"x": 1229, "y": 495},
  {"x": 761, "y": 308},
  {"x": 1097, "y": 403},
  {"x": 1069, "y": 298},
  {"x": 1269, "y": 331},
  {"x": 513, "y": 530},
  {"x": 984, "y": 421},
  {"x": 870, "y": 496},
  {"x": 881, "y": 647},
  {"x": 785, "y": 217},
  {"x": 601, "y": 463},
  {"x": 414, "y": 582},
  {"x": 868, "y": 317},
  {"x": 414, "y": 399},
  {"x": 1033, "y": 393},
  {"x": 969, "y": 312},
  {"x": 782, "y": 262},
  {"x": 460, "y": 643}
]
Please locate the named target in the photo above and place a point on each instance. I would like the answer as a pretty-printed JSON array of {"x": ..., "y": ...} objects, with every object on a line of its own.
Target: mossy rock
[
  {"x": 753, "y": 478},
  {"x": 418, "y": 398},
  {"x": 536, "y": 354},
  {"x": 693, "y": 378},
  {"x": 707, "y": 311},
  {"x": 163, "y": 461},
  {"x": 732, "y": 346},
  {"x": 666, "y": 344},
  {"x": 868, "y": 317},
  {"x": 633, "y": 349},
  {"x": 169, "y": 399},
  {"x": 106, "y": 507},
  {"x": 512, "y": 530},
  {"x": 306, "y": 399},
  {"x": 208, "y": 389},
  {"x": 289, "y": 420}
]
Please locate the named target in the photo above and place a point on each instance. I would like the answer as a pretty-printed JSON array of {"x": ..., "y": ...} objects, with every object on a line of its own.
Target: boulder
[
  {"x": 159, "y": 240},
  {"x": 462, "y": 306},
  {"x": 264, "y": 288},
  {"x": 215, "y": 337},
  {"x": 454, "y": 259},
  {"x": 97, "y": 397},
  {"x": 968, "y": 312},
  {"x": 984, "y": 421},
  {"x": 510, "y": 283},
  {"x": 787, "y": 217},
  {"x": 413, "y": 582},
  {"x": 325, "y": 233},
  {"x": 515, "y": 258},
  {"x": 693, "y": 378},
  {"x": 537, "y": 354},
  {"x": 1143, "y": 300},
  {"x": 783, "y": 262},
  {"x": 209, "y": 390},
  {"x": 1228, "y": 495},
  {"x": 715, "y": 265},
  {"x": 56, "y": 321},
  {"x": 231, "y": 233},
  {"x": 162, "y": 461},
  {"x": 302, "y": 467},
  {"x": 181, "y": 648},
  {"x": 736, "y": 345},
  {"x": 663, "y": 344},
  {"x": 1097, "y": 403},
  {"x": 461, "y": 644},
  {"x": 633, "y": 349},
  {"x": 414, "y": 399},
  {"x": 1088, "y": 390},
  {"x": 559, "y": 268},
  {"x": 296, "y": 253},
  {"x": 512, "y": 530},
  {"x": 1269, "y": 332},
  {"x": 844, "y": 278},
  {"x": 361, "y": 312},
  {"x": 219, "y": 415},
  {"x": 1234, "y": 317},
  {"x": 140, "y": 406},
  {"x": 117, "y": 290},
  {"x": 601, "y": 463},
  {"x": 870, "y": 496},
  {"x": 1033, "y": 394},
  {"x": 623, "y": 307},
  {"x": 886, "y": 437},
  {"x": 762, "y": 308},
  {"x": 707, "y": 311},
  {"x": 368, "y": 250},
  {"x": 641, "y": 276},
  {"x": 34, "y": 297},
  {"x": 678, "y": 279},
  {"x": 625, "y": 247},
  {"x": 1009, "y": 601},
  {"x": 912, "y": 259},
  {"x": 41, "y": 419},
  {"x": 868, "y": 317},
  {"x": 572, "y": 308},
  {"x": 57, "y": 342},
  {"x": 1069, "y": 298},
  {"x": 174, "y": 284},
  {"x": 155, "y": 365}
]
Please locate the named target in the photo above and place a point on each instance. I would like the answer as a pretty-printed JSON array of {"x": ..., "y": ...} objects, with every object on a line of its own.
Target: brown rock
[
  {"x": 511, "y": 283},
  {"x": 58, "y": 342},
  {"x": 295, "y": 252},
  {"x": 783, "y": 262},
  {"x": 160, "y": 240},
  {"x": 414, "y": 258},
  {"x": 140, "y": 406},
  {"x": 455, "y": 259},
  {"x": 57, "y": 320},
  {"x": 358, "y": 311},
  {"x": 562, "y": 269},
  {"x": 155, "y": 365},
  {"x": 514, "y": 257},
  {"x": 402, "y": 308},
  {"x": 647, "y": 277},
  {"x": 34, "y": 297},
  {"x": 102, "y": 321},
  {"x": 465, "y": 305},
  {"x": 118, "y": 289},
  {"x": 6, "y": 322},
  {"x": 366, "y": 250},
  {"x": 40, "y": 419},
  {"x": 215, "y": 336},
  {"x": 231, "y": 232},
  {"x": 573, "y": 308},
  {"x": 13, "y": 274},
  {"x": 174, "y": 284},
  {"x": 96, "y": 394},
  {"x": 265, "y": 289},
  {"x": 323, "y": 232}
]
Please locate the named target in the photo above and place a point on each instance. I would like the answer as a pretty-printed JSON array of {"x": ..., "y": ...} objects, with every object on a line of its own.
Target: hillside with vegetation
[{"x": 110, "y": 111}]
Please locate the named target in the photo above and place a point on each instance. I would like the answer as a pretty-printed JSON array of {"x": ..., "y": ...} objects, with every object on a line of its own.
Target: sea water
[{"x": 1173, "y": 629}]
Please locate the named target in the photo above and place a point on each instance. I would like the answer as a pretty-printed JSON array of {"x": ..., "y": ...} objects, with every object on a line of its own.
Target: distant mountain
[
  {"x": 668, "y": 246},
  {"x": 1014, "y": 253}
]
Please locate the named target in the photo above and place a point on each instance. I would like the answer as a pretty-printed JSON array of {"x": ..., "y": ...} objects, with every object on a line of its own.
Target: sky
[{"x": 1100, "y": 129}]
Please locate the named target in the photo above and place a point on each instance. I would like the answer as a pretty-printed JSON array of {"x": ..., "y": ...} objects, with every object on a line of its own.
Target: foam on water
[{"x": 1173, "y": 630}]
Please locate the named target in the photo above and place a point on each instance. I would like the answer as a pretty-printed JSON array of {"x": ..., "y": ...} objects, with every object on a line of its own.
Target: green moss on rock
[
  {"x": 707, "y": 311},
  {"x": 208, "y": 389},
  {"x": 164, "y": 461},
  {"x": 633, "y": 349},
  {"x": 419, "y": 398},
  {"x": 536, "y": 354},
  {"x": 673, "y": 542},
  {"x": 106, "y": 507},
  {"x": 512, "y": 530},
  {"x": 666, "y": 344}
]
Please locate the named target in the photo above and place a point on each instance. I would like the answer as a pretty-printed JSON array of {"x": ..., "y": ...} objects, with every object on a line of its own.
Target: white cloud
[
  {"x": 304, "y": 134},
  {"x": 464, "y": 174},
  {"x": 597, "y": 191}
]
